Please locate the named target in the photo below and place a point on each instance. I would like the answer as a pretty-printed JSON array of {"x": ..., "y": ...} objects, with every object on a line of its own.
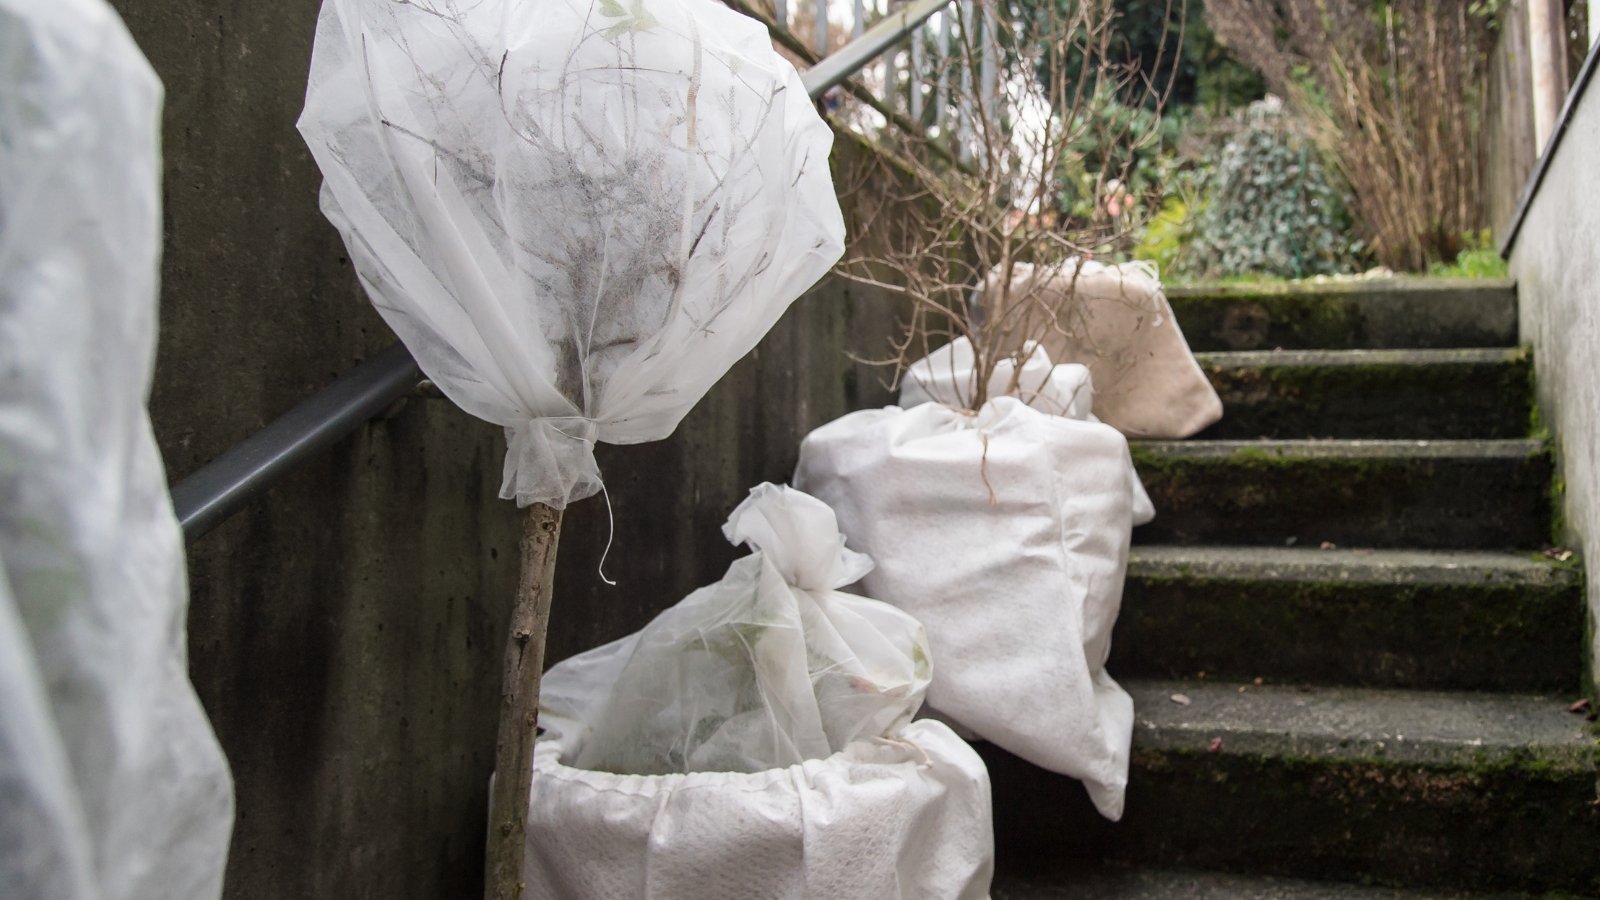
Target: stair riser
[
  {"x": 1424, "y": 503},
  {"x": 1486, "y": 400},
  {"x": 1347, "y": 317},
  {"x": 1500, "y": 827},
  {"x": 1512, "y": 637}
]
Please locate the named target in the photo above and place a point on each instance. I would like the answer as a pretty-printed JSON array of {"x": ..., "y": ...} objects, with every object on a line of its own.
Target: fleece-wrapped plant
[
  {"x": 576, "y": 214},
  {"x": 112, "y": 783},
  {"x": 755, "y": 740},
  {"x": 1004, "y": 529}
]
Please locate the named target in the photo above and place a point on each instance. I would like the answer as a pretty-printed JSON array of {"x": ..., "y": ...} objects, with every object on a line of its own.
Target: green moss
[
  {"x": 1514, "y": 822},
  {"x": 1374, "y": 400},
  {"x": 1476, "y": 636}
]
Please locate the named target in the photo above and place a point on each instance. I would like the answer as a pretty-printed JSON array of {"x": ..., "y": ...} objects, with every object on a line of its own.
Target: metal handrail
[
  {"x": 219, "y": 488},
  {"x": 223, "y": 486}
]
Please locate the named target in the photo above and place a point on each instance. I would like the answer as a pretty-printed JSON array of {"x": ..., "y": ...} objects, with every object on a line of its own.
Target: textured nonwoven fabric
[
  {"x": 577, "y": 214},
  {"x": 1006, "y": 533}
]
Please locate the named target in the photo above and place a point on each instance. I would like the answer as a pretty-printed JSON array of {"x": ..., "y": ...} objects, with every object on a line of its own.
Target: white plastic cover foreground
[
  {"x": 769, "y": 667},
  {"x": 903, "y": 818},
  {"x": 1006, "y": 534},
  {"x": 111, "y": 782},
  {"x": 577, "y": 214}
]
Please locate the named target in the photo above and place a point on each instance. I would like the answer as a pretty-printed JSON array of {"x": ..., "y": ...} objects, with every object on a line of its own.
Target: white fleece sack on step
[
  {"x": 900, "y": 818},
  {"x": 755, "y": 740},
  {"x": 1115, "y": 319},
  {"x": 1006, "y": 534}
]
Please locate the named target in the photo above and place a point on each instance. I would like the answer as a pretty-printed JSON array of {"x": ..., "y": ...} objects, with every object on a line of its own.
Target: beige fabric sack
[{"x": 1115, "y": 319}]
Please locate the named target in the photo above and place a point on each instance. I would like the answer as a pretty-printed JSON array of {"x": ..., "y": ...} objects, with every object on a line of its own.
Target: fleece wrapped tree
[{"x": 577, "y": 215}]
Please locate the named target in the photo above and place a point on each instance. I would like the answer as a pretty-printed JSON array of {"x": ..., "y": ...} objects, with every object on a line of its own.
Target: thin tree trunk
[{"x": 519, "y": 706}]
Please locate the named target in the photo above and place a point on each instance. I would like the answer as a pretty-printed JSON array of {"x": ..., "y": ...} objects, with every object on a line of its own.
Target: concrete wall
[
  {"x": 345, "y": 631},
  {"x": 1556, "y": 261}
]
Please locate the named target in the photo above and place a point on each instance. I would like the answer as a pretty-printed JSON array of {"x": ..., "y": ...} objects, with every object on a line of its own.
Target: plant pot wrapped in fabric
[
  {"x": 1005, "y": 532},
  {"x": 1116, "y": 320},
  {"x": 755, "y": 740}
]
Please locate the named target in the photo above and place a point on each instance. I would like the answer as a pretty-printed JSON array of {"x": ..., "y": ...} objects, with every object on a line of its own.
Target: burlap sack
[{"x": 1115, "y": 319}]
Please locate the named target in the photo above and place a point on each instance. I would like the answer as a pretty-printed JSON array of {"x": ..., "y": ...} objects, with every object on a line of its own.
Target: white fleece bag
[
  {"x": 1005, "y": 532},
  {"x": 112, "y": 784},
  {"x": 755, "y": 741},
  {"x": 1115, "y": 319},
  {"x": 577, "y": 214}
]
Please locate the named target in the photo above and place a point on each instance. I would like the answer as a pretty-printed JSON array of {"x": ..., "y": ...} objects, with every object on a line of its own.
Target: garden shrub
[{"x": 1272, "y": 205}]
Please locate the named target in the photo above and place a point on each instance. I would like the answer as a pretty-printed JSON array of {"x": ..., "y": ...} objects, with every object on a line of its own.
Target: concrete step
[
  {"x": 1466, "y": 620},
  {"x": 1402, "y": 313},
  {"x": 1100, "y": 882},
  {"x": 1357, "y": 493},
  {"x": 1421, "y": 789},
  {"x": 1434, "y": 394}
]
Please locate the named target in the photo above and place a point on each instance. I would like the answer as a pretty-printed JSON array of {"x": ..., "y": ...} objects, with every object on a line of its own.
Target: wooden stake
[{"x": 519, "y": 706}]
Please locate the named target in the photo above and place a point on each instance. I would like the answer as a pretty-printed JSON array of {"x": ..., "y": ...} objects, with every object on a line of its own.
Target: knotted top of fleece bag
[
  {"x": 769, "y": 667},
  {"x": 577, "y": 214}
]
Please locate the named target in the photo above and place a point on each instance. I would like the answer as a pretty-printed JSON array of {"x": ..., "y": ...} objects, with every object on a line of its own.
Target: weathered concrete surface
[
  {"x": 1341, "y": 315},
  {"x": 346, "y": 629},
  {"x": 1454, "y": 728},
  {"x": 1386, "y": 618},
  {"x": 1380, "y": 493},
  {"x": 1451, "y": 790},
  {"x": 1472, "y": 393},
  {"x": 1108, "y": 883},
  {"x": 1556, "y": 261}
]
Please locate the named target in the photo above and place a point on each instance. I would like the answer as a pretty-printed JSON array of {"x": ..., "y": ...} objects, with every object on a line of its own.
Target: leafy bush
[
  {"x": 1272, "y": 207},
  {"x": 1478, "y": 259},
  {"x": 1393, "y": 90},
  {"x": 1167, "y": 236}
]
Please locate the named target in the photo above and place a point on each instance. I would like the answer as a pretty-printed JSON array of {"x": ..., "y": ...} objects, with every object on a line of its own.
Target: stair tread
[
  {"x": 1348, "y": 565},
  {"x": 1417, "y": 727},
  {"x": 1400, "y": 313},
  {"x": 1346, "y": 448},
  {"x": 1385, "y": 357},
  {"x": 1089, "y": 882},
  {"x": 1411, "y": 286}
]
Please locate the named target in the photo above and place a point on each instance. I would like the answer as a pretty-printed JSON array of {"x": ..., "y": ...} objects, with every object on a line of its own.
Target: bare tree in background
[
  {"x": 1391, "y": 92},
  {"x": 934, "y": 230}
]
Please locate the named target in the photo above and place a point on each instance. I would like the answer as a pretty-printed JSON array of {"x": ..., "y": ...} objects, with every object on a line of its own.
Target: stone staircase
[{"x": 1350, "y": 661}]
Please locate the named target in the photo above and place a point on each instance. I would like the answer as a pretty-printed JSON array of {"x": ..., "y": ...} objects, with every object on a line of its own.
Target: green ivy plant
[{"x": 1272, "y": 207}]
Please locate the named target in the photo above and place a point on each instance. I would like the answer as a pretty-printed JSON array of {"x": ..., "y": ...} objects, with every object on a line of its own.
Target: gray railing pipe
[
  {"x": 223, "y": 486},
  {"x": 852, "y": 57},
  {"x": 219, "y": 488}
]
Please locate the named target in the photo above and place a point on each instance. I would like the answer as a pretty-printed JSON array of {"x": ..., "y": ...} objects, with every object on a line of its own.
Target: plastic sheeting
[
  {"x": 1006, "y": 533},
  {"x": 111, "y": 781},
  {"x": 576, "y": 214},
  {"x": 771, "y": 717},
  {"x": 769, "y": 667}
]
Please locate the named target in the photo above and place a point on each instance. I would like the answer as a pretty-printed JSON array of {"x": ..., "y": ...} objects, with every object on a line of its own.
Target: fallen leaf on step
[
  {"x": 1215, "y": 745},
  {"x": 1579, "y": 706},
  {"x": 1329, "y": 545},
  {"x": 1559, "y": 554},
  {"x": 1259, "y": 682},
  {"x": 1181, "y": 699}
]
